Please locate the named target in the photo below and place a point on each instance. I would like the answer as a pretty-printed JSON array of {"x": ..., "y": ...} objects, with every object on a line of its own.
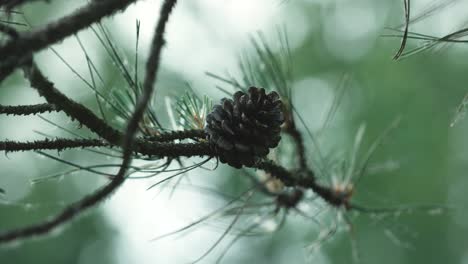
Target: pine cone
[{"x": 245, "y": 127}]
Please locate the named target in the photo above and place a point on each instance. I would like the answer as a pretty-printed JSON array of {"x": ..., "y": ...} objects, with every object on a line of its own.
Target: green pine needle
[{"x": 192, "y": 110}]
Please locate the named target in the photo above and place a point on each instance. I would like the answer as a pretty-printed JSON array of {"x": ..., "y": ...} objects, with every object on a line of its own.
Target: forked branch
[
  {"x": 91, "y": 200},
  {"x": 16, "y": 51}
]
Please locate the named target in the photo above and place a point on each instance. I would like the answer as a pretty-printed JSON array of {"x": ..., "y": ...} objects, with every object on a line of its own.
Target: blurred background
[{"x": 341, "y": 55}]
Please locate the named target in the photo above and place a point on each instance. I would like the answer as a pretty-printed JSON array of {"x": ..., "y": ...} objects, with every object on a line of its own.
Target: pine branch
[
  {"x": 87, "y": 118},
  {"x": 303, "y": 179},
  {"x": 143, "y": 147},
  {"x": 174, "y": 135},
  {"x": 173, "y": 150},
  {"x": 84, "y": 116},
  {"x": 27, "y": 109},
  {"x": 292, "y": 130},
  {"x": 91, "y": 200},
  {"x": 16, "y": 51},
  {"x": 277, "y": 171},
  {"x": 62, "y": 102},
  {"x": 58, "y": 144},
  {"x": 73, "y": 109}
]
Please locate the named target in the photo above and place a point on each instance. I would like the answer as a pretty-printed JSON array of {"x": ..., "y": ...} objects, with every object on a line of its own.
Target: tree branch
[
  {"x": 27, "y": 109},
  {"x": 304, "y": 179},
  {"x": 87, "y": 118},
  {"x": 291, "y": 129},
  {"x": 173, "y": 135},
  {"x": 173, "y": 150},
  {"x": 55, "y": 144},
  {"x": 17, "y": 50},
  {"x": 61, "y": 101},
  {"x": 73, "y": 109},
  {"x": 152, "y": 149}
]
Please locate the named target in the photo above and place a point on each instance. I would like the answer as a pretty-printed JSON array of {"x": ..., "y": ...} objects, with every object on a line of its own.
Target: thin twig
[
  {"x": 292, "y": 130},
  {"x": 406, "y": 30}
]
